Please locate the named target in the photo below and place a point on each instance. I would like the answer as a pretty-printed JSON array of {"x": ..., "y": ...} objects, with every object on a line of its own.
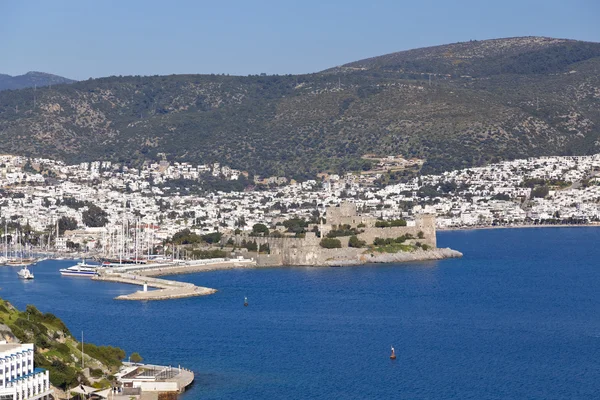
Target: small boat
[
  {"x": 245, "y": 301},
  {"x": 393, "y": 355},
  {"x": 80, "y": 269},
  {"x": 25, "y": 273}
]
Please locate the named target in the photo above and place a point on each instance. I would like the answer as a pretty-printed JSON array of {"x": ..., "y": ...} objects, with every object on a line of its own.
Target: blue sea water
[{"x": 516, "y": 318}]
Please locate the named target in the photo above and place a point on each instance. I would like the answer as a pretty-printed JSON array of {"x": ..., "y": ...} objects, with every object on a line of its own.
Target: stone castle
[{"x": 307, "y": 251}]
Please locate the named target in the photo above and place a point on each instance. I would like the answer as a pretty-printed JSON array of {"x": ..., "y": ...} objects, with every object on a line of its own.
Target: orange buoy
[{"x": 393, "y": 355}]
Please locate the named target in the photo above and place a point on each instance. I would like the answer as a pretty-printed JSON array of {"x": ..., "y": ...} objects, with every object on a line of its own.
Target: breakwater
[{"x": 164, "y": 289}]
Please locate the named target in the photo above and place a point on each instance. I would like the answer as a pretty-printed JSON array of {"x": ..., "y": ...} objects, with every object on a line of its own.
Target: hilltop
[
  {"x": 31, "y": 79},
  {"x": 458, "y": 105}
]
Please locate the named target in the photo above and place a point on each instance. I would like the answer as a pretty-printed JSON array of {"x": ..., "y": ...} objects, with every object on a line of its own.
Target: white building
[{"x": 19, "y": 380}]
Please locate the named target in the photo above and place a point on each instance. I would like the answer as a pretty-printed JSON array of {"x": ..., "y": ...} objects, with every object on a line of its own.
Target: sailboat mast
[{"x": 82, "y": 350}]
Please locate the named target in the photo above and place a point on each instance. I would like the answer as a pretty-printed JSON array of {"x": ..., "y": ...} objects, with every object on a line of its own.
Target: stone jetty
[{"x": 163, "y": 289}]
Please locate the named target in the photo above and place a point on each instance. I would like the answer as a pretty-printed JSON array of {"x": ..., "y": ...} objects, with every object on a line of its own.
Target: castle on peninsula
[{"x": 288, "y": 250}]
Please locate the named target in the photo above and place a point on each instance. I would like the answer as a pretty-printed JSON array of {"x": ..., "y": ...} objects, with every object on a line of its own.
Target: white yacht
[
  {"x": 80, "y": 269},
  {"x": 24, "y": 273}
]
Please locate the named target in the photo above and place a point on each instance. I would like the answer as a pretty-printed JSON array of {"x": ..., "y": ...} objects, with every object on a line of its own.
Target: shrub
[
  {"x": 108, "y": 355},
  {"x": 355, "y": 242},
  {"x": 387, "y": 224},
  {"x": 96, "y": 372},
  {"x": 330, "y": 243},
  {"x": 62, "y": 349}
]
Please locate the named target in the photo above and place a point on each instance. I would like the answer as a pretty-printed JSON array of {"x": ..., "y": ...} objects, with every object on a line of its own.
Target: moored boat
[
  {"x": 24, "y": 273},
  {"x": 80, "y": 269},
  {"x": 20, "y": 262}
]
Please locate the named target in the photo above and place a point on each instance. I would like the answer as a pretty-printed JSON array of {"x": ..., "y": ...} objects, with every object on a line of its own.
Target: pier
[
  {"x": 185, "y": 267},
  {"x": 148, "y": 380},
  {"x": 164, "y": 289}
]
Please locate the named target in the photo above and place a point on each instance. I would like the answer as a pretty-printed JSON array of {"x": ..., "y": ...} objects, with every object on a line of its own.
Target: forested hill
[{"x": 456, "y": 105}]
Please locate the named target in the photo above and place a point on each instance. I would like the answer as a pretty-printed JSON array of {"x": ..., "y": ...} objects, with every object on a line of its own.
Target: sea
[{"x": 518, "y": 317}]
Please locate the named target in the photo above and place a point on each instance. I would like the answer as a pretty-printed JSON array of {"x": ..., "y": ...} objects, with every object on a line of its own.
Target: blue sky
[{"x": 85, "y": 38}]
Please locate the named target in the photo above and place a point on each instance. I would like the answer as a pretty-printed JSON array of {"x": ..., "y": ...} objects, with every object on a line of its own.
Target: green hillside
[
  {"x": 456, "y": 105},
  {"x": 56, "y": 349}
]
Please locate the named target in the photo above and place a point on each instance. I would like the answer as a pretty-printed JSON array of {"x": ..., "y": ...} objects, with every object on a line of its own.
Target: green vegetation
[
  {"x": 399, "y": 239},
  {"x": 356, "y": 242},
  {"x": 135, "y": 358},
  {"x": 211, "y": 238},
  {"x": 330, "y": 243},
  {"x": 393, "y": 248},
  {"x": 185, "y": 236},
  {"x": 540, "y": 192},
  {"x": 260, "y": 230},
  {"x": 296, "y": 225},
  {"x": 343, "y": 230},
  {"x": 56, "y": 349},
  {"x": 94, "y": 216},
  {"x": 533, "y": 182},
  {"x": 388, "y": 224},
  {"x": 206, "y": 254},
  {"x": 66, "y": 224}
]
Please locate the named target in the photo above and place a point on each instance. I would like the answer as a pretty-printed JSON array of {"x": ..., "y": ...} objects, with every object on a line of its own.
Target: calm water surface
[{"x": 517, "y": 317}]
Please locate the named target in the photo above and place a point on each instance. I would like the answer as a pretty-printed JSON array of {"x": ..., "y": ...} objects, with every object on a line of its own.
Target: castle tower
[{"x": 426, "y": 223}]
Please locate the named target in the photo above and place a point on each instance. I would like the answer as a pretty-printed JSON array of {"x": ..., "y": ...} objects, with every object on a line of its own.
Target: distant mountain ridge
[
  {"x": 456, "y": 105},
  {"x": 31, "y": 79}
]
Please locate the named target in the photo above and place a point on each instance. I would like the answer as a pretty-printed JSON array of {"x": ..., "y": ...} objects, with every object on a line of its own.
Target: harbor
[{"x": 145, "y": 275}]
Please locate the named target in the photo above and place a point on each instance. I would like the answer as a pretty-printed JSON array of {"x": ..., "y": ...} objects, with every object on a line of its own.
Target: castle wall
[
  {"x": 307, "y": 250},
  {"x": 370, "y": 234}
]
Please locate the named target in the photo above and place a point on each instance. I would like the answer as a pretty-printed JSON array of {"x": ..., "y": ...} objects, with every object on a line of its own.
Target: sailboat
[{"x": 18, "y": 260}]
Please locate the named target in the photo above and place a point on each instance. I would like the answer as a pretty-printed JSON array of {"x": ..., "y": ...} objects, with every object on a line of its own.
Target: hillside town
[{"x": 162, "y": 198}]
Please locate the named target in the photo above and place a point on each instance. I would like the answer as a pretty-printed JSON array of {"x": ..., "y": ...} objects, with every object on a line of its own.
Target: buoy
[
  {"x": 393, "y": 355},
  {"x": 245, "y": 302}
]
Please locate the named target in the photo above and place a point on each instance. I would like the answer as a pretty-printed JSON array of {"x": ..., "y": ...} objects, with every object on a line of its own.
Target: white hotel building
[{"x": 19, "y": 380}]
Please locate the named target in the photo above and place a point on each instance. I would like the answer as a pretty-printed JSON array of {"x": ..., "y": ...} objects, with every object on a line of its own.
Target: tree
[
  {"x": 211, "y": 238},
  {"x": 540, "y": 191},
  {"x": 66, "y": 224},
  {"x": 296, "y": 225},
  {"x": 135, "y": 357},
  {"x": 72, "y": 245},
  {"x": 94, "y": 216},
  {"x": 355, "y": 242},
  {"x": 260, "y": 229},
  {"x": 186, "y": 236}
]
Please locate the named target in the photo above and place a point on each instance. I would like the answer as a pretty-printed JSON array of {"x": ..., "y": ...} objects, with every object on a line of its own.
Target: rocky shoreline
[{"x": 417, "y": 255}]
